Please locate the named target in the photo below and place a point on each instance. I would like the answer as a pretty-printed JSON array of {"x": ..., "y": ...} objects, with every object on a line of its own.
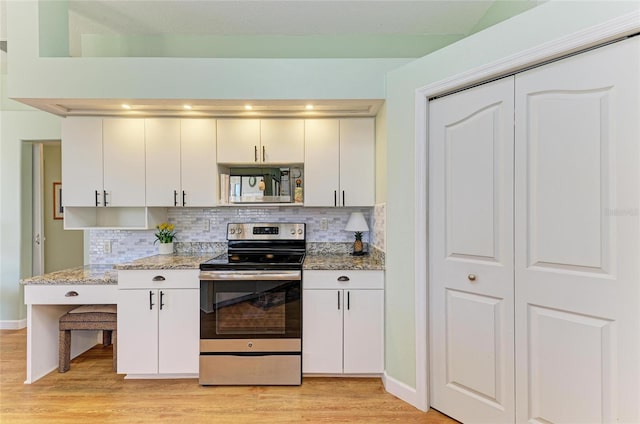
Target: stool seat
[{"x": 88, "y": 317}]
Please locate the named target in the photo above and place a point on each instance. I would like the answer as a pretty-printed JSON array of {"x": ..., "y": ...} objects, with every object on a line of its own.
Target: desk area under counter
[{"x": 50, "y": 296}]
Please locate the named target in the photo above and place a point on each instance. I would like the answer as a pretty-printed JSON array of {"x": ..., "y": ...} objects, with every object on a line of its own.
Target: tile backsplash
[{"x": 208, "y": 226}]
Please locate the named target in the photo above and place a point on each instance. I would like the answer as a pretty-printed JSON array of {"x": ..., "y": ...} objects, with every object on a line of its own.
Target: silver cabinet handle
[
  {"x": 472, "y": 277},
  {"x": 158, "y": 278},
  {"x": 71, "y": 293},
  {"x": 343, "y": 278}
]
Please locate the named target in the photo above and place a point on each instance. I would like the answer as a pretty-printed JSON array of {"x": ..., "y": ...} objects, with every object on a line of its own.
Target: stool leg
[
  {"x": 106, "y": 338},
  {"x": 114, "y": 339},
  {"x": 64, "y": 350}
]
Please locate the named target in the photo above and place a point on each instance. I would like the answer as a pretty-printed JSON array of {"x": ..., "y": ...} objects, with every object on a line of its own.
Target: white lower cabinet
[
  {"x": 343, "y": 322},
  {"x": 158, "y": 322}
]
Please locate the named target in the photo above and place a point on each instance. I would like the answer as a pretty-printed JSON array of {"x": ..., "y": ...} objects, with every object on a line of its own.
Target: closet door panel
[
  {"x": 577, "y": 233},
  {"x": 471, "y": 253}
]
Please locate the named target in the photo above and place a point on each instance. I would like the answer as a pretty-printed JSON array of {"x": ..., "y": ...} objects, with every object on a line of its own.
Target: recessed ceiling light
[
  {"x": 309, "y": 107},
  {"x": 126, "y": 106},
  {"x": 187, "y": 107},
  {"x": 248, "y": 107}
]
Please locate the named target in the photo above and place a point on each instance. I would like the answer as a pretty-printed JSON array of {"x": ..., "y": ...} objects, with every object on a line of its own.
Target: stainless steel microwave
[{"x": 262, "y": 184}]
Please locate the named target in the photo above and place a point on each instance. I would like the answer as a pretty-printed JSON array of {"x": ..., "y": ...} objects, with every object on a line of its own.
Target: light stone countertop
[
  {"x": 108, "y": 274},
  {"x": 90, "y": 274},
  {"x": 343, "y": 262},
  {"x": 167, "y": 262}
]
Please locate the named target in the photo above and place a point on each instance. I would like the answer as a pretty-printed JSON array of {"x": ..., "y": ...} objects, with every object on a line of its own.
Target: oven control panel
[{"x": 266, "y": 231}]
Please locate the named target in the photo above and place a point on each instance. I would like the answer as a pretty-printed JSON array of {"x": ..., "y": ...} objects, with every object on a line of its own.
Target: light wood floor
[{"x": 92, "y": 393}]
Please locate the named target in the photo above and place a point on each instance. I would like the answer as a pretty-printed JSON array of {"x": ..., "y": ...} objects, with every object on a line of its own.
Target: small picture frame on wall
[{"x": 58, "y": 209}]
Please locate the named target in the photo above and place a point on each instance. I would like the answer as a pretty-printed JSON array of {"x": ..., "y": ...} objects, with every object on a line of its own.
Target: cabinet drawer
[
  {"x": 77, "y": 294},
  {"x": 158, "y": 279},
  {"x": 332, "y": 279}
]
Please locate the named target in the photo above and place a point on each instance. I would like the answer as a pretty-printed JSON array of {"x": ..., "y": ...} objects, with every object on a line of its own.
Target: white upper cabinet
[
  {"x": 339, "y": 162},
  {"x": 124, "y": 162},
  {"x": 103, "y": 162},
  {"x": 198, "y": 159},
  {"x": 181, "y": 158},
  {"x": 238, "y": 140},
  {"x": 254, "y": 141},
  {"x": 282, "y": 141},
  {"x": 321, "y": 162},
  {"x": 357, "y": 162},
  {"x": 163, "y": 162},
  {"x": 82, "y": 161}
]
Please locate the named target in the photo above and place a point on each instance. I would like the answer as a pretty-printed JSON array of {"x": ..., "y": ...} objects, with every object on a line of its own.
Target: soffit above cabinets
[{"x": 204, "y": 108}]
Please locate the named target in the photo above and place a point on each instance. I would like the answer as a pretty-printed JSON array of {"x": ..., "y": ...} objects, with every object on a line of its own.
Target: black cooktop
[{"x": 255, "y": 260}]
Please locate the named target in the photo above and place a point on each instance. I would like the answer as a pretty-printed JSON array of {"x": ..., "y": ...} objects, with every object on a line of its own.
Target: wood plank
[{"x": 91, "y": 391}]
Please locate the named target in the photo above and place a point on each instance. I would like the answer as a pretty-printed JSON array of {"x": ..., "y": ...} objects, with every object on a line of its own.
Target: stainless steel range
[{"x": 251, "y": 307}]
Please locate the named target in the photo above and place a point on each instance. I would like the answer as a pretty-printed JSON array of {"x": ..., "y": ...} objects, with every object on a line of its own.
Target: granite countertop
[
  {"x": 342, "y": 261},
  {"x": 179, "y": 261},
  {"x": 90, "y": 274},
  {"x": 108, "y": 274}
]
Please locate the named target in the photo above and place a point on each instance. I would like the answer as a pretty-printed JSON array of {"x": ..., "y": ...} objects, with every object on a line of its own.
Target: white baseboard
[
  {"x": 15, "y": 324},
  {"x": 401, "y": 391}
]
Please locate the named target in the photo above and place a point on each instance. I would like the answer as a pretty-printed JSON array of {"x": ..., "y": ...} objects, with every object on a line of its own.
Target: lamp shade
[{"x": 356, "y": 222}]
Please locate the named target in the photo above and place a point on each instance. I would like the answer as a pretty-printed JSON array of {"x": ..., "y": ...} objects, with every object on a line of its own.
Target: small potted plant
[{"x": 165, "y": 234}]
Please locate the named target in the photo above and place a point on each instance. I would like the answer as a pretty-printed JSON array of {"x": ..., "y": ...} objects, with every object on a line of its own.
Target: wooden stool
[{"x": 88, "y": 317}]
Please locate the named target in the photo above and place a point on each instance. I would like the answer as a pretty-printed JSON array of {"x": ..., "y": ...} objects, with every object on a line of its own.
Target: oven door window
[{"x": 232, "y": 309}]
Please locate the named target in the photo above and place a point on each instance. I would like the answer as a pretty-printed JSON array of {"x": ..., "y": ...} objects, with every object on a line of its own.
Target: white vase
[{"x": 165, "y": 248}]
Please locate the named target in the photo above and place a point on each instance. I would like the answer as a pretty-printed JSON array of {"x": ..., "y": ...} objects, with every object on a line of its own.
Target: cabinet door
[
  {"x": 82, "y": 161},
  {"x": 364, "y": 331},
  {"x": 124, "y": 164},
  {"x": 178, "y": 331},
  {"x": 238, "y": 141},
  {"x": 198, "y": 157},
  {"x": 137, "y": 331},
  {"x": 322, "y": 331},
  {"x": 162, "y": 147},
  {"x": 321, "y": 162},
  {"x": 282, "y": 141},
  {"x": 357, "y": 162}
]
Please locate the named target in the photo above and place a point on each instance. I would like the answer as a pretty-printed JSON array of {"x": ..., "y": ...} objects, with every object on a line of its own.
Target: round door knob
[
  {"x": 250, "y": 344},
  {"x": 472, "y": 277},
  {"x": 232, "y": 231},
  {"x": 239, "y": 230},
  {"x": 299, "y": 230},
  {"x": 292, "y": 231}
]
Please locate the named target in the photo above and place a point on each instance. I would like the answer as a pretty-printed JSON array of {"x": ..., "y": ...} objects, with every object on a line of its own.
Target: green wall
[
  {"x": 15, "y": 127},
  {"x": 535, "y": 27}
]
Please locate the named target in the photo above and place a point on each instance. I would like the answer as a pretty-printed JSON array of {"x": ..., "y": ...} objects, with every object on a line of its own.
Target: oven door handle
[{"x": 250, "y": 275}]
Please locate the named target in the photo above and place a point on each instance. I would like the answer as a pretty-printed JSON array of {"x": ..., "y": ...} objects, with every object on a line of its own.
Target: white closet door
[
  {"x": 577, "y": 238},
  {"x": 471, "y": 253}
]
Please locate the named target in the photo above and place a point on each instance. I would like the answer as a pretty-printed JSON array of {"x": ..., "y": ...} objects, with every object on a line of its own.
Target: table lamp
[{"x": 358, "y": 224}]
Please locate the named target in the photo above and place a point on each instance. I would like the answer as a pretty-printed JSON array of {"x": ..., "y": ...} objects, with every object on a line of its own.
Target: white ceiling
[{"x": 442, "y": 21}]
